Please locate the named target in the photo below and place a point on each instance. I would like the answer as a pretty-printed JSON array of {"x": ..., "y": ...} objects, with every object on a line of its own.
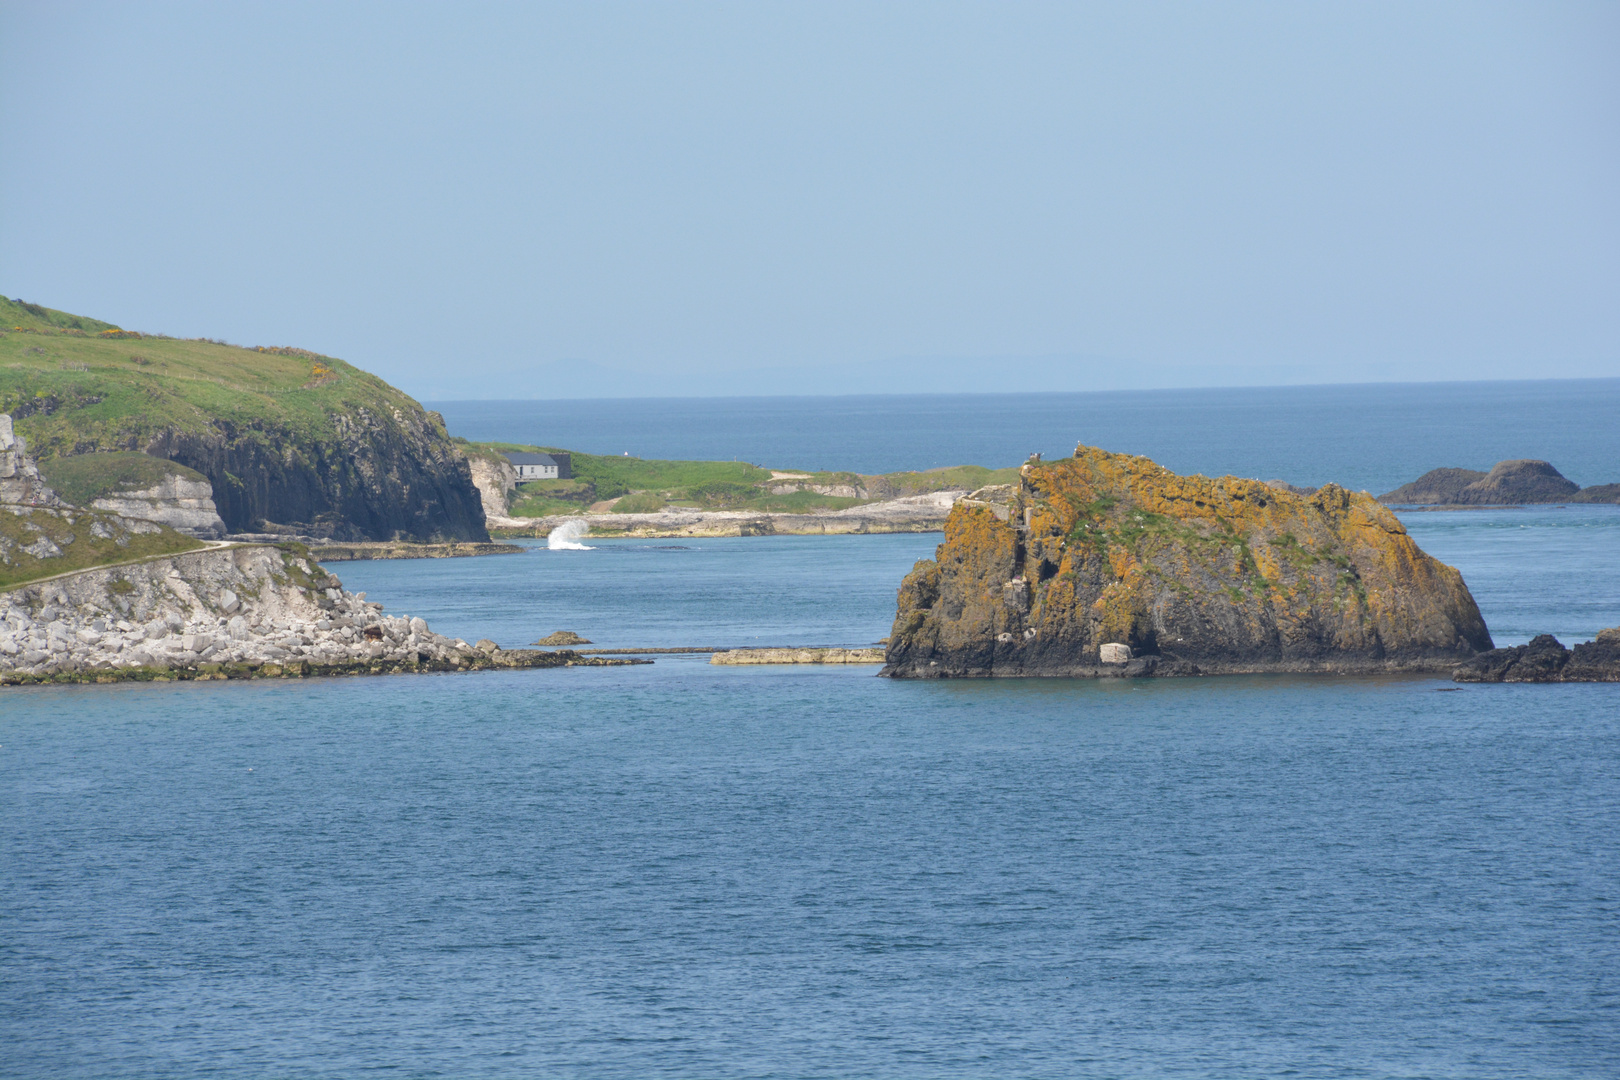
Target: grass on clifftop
[
  {"x": 84, "y": 478},
  {"x": 74, "y": 533},
  {"x": 75, "y": 384},
  {"x": 646, "y": 485}
]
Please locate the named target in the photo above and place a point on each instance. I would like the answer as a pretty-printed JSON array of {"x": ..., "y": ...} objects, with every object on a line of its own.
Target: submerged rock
[{"x": 1189, "y": 575}]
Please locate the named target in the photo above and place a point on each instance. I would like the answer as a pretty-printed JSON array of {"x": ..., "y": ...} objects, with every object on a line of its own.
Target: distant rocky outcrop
[
  {"x": 1184, "y": 575},
  {"x": 1437, "y": 487},
  {"x": 1509, "y": 483},
  {"x": 1545, "y": 659}
]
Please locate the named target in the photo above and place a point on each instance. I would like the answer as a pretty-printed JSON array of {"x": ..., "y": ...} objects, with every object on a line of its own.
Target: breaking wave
[{"x": 567, "y": 536}]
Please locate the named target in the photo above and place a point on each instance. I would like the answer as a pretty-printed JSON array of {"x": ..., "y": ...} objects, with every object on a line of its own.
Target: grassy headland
[
  {"x": 76, "y": 385},
  {"x": 285, "y": 435},
  {"x": 638, "y": 485}
]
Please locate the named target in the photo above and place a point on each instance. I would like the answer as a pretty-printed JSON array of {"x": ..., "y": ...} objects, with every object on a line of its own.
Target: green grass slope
[
  {"x": 39, "y": 543},
  {"x": 82, "y": 384},
  {"x": 84, "y": 478}
]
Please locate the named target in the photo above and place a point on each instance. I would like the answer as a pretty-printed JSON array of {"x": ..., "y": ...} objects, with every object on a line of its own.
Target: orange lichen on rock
[{"x": 1193, "y": 574}]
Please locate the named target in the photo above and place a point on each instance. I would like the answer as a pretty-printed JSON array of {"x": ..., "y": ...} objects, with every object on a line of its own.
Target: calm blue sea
[
  {"x": 1365, "y": 437},
  {"x": 689, "y": 871}
]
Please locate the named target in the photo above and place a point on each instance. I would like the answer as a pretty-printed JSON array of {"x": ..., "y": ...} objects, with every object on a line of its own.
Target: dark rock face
[
  {"x": 1526, "y": 481},
  {"x": 1597, "y": 493},
  {"x": 381, "y": 478},
  {"x": 1546, "y": 660},
  {"x": 1509, "y": 483},
  {"x": 1437, "y": 487},
  {"x": 1195, "y": 576}
]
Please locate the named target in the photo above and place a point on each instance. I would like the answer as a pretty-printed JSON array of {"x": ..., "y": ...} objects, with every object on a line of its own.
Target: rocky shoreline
[
  {"x": 237, "y": 611},
  {"x": 358, "y": 552},
  {"x": 1546, "y": 660},
  {"x": 910, "y": 514},
  {"x": 797, "y": 656},
  {"x": 301, "y": 669}
]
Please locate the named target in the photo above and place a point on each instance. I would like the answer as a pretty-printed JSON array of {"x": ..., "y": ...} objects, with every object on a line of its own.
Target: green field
[{"x": 644, "y": 485}]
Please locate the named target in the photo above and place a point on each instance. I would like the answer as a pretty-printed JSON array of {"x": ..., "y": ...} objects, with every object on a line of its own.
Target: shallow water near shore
[{"x": 686, "y": 870}]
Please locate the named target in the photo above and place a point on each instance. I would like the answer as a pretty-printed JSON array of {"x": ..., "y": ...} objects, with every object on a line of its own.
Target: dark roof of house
[{"x": 535, "y": 459}]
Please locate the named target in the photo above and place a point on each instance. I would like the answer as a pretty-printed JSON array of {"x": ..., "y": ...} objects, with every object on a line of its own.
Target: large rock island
[{"x": 1109, "y": 564}]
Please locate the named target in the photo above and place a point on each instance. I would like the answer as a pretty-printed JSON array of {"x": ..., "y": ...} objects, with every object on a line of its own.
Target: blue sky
[{"x": 531, "y": 200}]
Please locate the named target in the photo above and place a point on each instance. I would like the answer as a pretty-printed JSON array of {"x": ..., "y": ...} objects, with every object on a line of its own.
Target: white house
[{"x": 542, "y": 466}]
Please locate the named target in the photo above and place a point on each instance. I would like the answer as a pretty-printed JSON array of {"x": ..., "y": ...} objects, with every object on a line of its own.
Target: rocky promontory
[
  {"x": 233, "y": 611},
  {"x": 1545, "y": 659},
  {"x": 1107, "y": 564}
]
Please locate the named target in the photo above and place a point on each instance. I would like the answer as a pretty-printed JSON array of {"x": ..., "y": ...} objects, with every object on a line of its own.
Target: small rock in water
[{"x": 563, "y": 637}]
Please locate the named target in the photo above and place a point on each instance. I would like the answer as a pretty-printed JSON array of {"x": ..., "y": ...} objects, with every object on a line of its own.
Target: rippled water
[{"x": 686, "y": 870}]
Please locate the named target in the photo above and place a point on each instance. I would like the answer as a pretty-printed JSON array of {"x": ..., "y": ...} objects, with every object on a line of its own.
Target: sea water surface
[
  {"x": 695, "y": 871},
  {"x": 1371, "y": 437}
]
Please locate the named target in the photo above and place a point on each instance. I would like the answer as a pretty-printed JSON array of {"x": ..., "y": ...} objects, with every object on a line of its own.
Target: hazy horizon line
[{"x": 1025, "y": 393}]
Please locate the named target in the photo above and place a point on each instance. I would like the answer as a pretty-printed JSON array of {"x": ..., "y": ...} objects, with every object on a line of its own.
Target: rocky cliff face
[
  {"x": 183, "y": 504},
  {"x": 496, "y": 482},
  {"x": 1187, "y": 575},
  {"x": 367, "y": 477},
  {"x": 20, "y": 482}
]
